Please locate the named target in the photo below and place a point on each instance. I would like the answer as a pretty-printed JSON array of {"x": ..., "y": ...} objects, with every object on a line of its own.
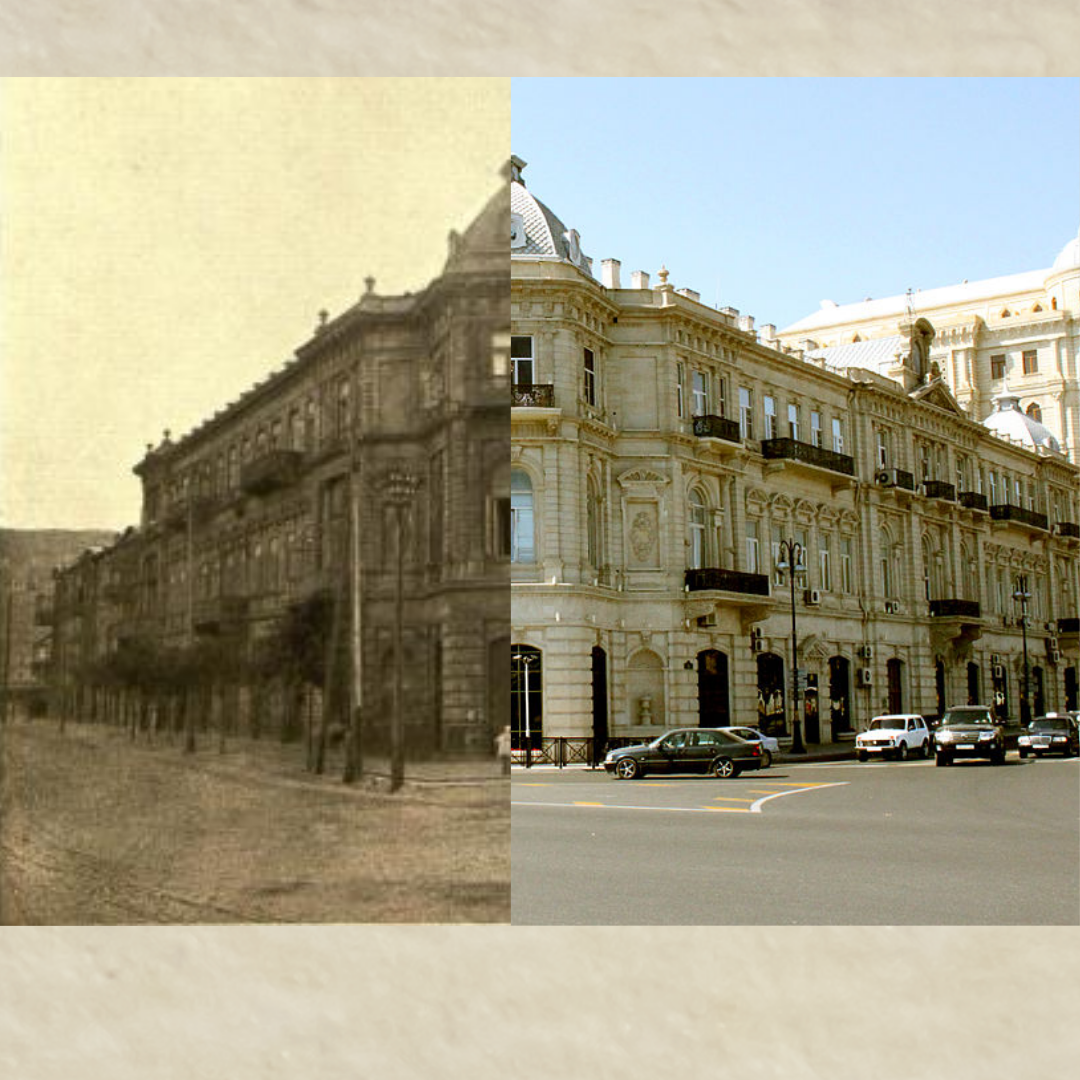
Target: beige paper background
[{"x": 518, "y": 1002}]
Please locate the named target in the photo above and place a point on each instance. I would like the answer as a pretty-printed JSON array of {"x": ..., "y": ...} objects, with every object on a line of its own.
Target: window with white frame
[
  {"x": 882, "y": 448},
  {"x": 793, "y": 420},
  {"x": 722, "y": 398},
  {"x": 523, "y": 371},
  {"x": 500, "y": 354},
  {"x": 776, "y": 540},
  {"x": 815, "y": 428},
  {"x": 846, "y": 579},
  {"x": 837, "y": 435},
  {"x": 698, "y": 530},
  {"x": 680, "y": 390},
  {"x": 753, "y": 548},
  {"x": 768, "y": 405},
  {"x": 746, "y": 413},
  {"x": 522, "y": 523},
  {"x": 825, "y": 561},
  {"x": 699, "y": 394},
  {"x": 589, "y": 376}
]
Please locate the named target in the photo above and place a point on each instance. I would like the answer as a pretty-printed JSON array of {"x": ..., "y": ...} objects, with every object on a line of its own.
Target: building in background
[
  {"x": 663, "y": 454},
  {"x": 1019, "y": 334},
  {"x": 274, "y": 537}
]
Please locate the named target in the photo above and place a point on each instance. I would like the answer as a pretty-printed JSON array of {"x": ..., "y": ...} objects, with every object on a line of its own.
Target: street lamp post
[
  {"x": 525, "y": 662},
  {"x": 1022, "y": 596},
  {"x": 399, "y": 486},
  {"x": 791, "y": 560}
]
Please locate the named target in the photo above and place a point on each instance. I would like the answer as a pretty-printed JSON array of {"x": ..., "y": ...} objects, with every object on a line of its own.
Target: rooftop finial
[
  {"x": 369, "y": 284},
  {"x": 513, "y": 169}
]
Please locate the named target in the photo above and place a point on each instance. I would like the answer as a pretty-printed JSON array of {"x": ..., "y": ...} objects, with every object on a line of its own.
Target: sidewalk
[{"x": 450, "y": 781}]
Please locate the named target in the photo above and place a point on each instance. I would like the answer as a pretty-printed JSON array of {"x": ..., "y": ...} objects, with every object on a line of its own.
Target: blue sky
[{"x": 771, "y": 195}]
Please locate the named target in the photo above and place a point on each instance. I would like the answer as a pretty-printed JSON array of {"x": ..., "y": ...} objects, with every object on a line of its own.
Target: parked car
[
  {"x": 770, "y": 747},
  {"x": 686, "y": 750},
  {"x": 1054, "y": 733},
  {"x": 969, "y": 731},
  {"x": 896, "y": 735}
]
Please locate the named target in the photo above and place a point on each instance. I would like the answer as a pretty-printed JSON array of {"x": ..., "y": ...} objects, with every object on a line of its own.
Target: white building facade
[{"x": 663, "y": 456}]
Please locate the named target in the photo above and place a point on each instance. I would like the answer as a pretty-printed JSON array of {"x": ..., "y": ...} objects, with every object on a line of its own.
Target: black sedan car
[
  {"x": 1052, "y": 734},
  {"x": 686, "y": 750}
]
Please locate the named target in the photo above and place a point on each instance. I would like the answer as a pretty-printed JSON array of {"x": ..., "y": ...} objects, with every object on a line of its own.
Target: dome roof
[
  {"x": 480, "y": 247},
  {"x": 536, "y": 231},
  {"x": 1070, "y": 255},
  {"x": 1009, "y": 421}
]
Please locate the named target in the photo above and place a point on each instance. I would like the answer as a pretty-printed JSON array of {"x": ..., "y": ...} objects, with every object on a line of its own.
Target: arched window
[
  {"x": 1035, "y": 411},
  {"x": 594, "y": 551},
  {"x": 522, "y": 524},
  {"x": 698, "y": 526}
]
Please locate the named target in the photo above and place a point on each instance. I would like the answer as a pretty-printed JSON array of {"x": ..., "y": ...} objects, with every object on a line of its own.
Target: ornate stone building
[
  {"x": 1019, "y": 333},
  {"x": 397, "y": 406},
  {"x": 663, "y": 453}
]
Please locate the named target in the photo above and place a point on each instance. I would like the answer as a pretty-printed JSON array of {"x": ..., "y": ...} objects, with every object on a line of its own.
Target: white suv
[{"x": 894, "y": 736}]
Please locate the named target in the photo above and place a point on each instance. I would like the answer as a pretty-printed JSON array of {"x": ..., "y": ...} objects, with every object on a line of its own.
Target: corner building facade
[
  {"x": 663, "y": 452},
  {"x": 292, "y": 492}
]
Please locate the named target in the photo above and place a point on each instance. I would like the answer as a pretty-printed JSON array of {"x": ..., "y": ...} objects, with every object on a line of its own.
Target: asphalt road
[{"x": 849, "y": 844}]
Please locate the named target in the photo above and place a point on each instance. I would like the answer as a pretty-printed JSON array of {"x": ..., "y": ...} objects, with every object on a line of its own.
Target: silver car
[{"x": 770, "y": 747}]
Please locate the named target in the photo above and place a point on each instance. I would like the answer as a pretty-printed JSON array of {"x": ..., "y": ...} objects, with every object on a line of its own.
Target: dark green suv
[{"x": 969, "y": 731}]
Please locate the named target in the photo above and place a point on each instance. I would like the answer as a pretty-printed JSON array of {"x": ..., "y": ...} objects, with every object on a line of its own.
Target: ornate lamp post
[
  {"x": 1022, "y": 596},
  {"x": 399, "y": 487},
  {"x": 525, "y": 661},
  {"x": 791, "y": 561}
]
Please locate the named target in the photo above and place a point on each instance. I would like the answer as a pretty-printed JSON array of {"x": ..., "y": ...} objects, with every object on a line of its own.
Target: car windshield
[
  {"x": 886, "y": 723},
  {"x": 967, "y": 716},
  {"x": 1049, "y": 724}
]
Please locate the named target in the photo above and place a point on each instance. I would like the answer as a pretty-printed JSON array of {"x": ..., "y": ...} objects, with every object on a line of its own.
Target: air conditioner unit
[
  {"x": 886, "y": 477},
  {"x": 866, "y": 652},
  {"x": 866, "y": 677},
  {"x": 707, "y": 620},
  {"x": 812, "y": 596},
  {"x": 1055, "y": 656},
  {"x": 1052, "y": 644},
  {"x": 999, "y": 671}
]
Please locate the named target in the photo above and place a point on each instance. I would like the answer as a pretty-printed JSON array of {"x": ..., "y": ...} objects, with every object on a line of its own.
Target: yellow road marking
[
  {"x": 732, "y": 798},
  {"x": 531, "y": 783},
  {"x": 590, "y": 804}
]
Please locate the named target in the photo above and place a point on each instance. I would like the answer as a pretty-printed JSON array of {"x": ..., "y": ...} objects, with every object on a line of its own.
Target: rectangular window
[
  {"x": 500, "y": 354},
  {"x": 837, "y": 435},
  {"x": 1031, "y": 361},
  {"x": 815, "y": 428},
  {"x": 521, "y": 359},
  {"x": 993, "y": 489},
  {"x": 777, "y": 537},
  {"x": 721, "y": 388},
  {"x": 746, "y": 413},
  {"x": 825, "y": 561},
  {"x": 769, "y": 405},
  {"x": 845, "y": 565},
  {"x": 680, "y": 390},
  {"x": 699, "y": 394},
  {"x": 793, "y": 421},
  {"x": 886, "y": 576},
  {"x": 590, "y": 377},
  {"x": 882, "y": 449},
  {"x": 753, "y": 554},
  {"x": 924, "y": 462},
  {"x": 997, "y": 366},
  {"x": 1016, "y": 493}
]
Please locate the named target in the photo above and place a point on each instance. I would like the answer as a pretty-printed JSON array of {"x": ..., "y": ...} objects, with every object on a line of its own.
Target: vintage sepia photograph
[{"x": 255, "y": 518}]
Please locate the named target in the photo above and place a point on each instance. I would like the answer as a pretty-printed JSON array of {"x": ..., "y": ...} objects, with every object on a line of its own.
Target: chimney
[
  {"x": 690, "y": 294},
  {"x": 768, "y": 332},
  {"x": 746, "y": 323},
  {"x": 640, "y": 279},
  {"x": 610, "y": 270}
]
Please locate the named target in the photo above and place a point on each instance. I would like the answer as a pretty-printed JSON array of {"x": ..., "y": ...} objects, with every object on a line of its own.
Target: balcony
[
  {"x": 1068, "y": 626},
  {"x": 273, "y": 469},
  {"x": 808, "y": 454},
  {"x": 974, "y": 500},
  {"x": 532, "y": 396},
  {"x": 895, "y": 478},
  {"x": 938, "y": 489},
  {"x": 1068, "y": 529},
  {"x": 1019, "y": 516},
  {"x": 717, "y": 427},
  {"x": 733, "y": 581},
  {"x": 954, "y": 609},
  {"x": 220, "y": 614}
]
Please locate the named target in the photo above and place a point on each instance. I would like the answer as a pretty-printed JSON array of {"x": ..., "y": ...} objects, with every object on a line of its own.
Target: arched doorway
[
  {"x": 839, "y": 694},
  {"x": 770, "y": 694},
  {"x": 526, "y": 698},
  {"x": 599, "y": 704},
  {"x": 810, "y": 707},
  {"x": 1038, "y": 692},
  {"x": 894, "y": 678},
  {"x": 974, "y": 688},
  {"x": 712, "y": 681},
  {"x": 939, "y": 686}
]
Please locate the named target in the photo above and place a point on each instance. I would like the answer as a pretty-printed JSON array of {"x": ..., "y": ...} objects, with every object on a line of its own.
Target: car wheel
[
  {"x": 924, "y": 750},
  {"x": 863, "y": 755},
  {"x": 901, "y": 752},
  {"x": 942, "y": 759},
  {"x": 997, "y": 757},
  {"x": 766, "y": 759},
  {"x": 1023, "y": 753},
  {"x": 724, "y": 768},
  {"x": 627, "y": 769}
]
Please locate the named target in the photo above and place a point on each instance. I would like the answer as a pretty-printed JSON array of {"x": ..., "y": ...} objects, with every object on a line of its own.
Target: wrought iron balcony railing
[
  {"x": 939, "y": 489},
  {"x": 1069, "y": 626},
  {"x": 808, "y": 454},
  {"x": 716, "y": 427},
  {"x": 954, "y": 609},
  {"x": 974, "y": 500},
  {"x": 1019, "y": 515},
  {"x": 727, "y": 581},
  {"x": 532, "y": 396},
  {"x": 274, "y": 469},
  {"x": 1068, "y": 528}
]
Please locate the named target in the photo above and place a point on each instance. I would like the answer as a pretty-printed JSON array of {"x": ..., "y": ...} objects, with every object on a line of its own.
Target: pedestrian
[{"x": 502, "y": 749}]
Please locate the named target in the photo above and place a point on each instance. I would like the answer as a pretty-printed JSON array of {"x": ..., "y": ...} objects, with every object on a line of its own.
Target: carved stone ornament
[{"x": 643, "y": 535}]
